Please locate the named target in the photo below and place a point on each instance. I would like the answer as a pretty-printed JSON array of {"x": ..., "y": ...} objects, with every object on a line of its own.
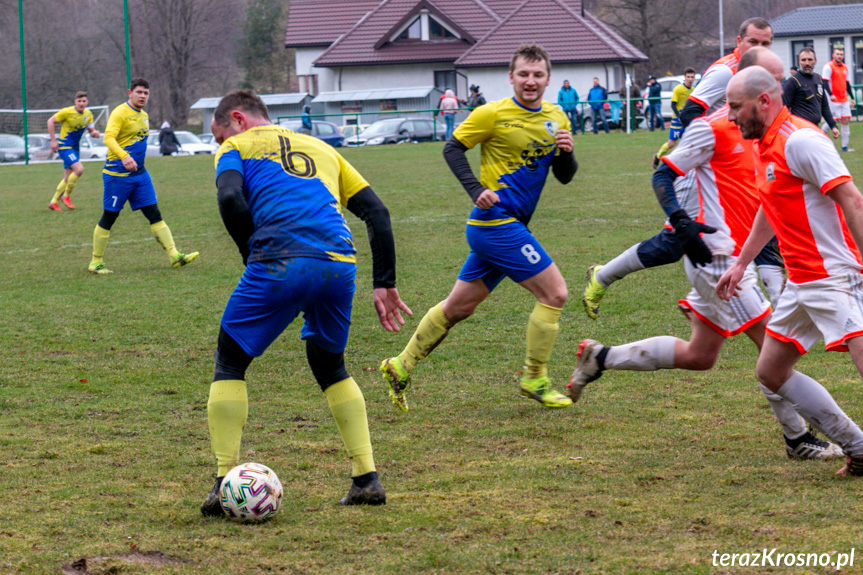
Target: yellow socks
[
  {"x": 162, "y": 233},
  {"x": 542, "y": 330},
  {"x": 663, "y": 150},
  {"x": 349, "y": 410},
  {"x": 70, "y": 185},
  {"x": 100, "y": 242},
  {"x": 227, "y": 410},
  {"x": 430, "y": 332},
  {"x": 61, "y": 187}
]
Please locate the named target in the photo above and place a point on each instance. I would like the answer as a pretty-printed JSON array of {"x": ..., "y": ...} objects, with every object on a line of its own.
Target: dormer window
[
  {"x": 413, "y": 31},
  {"x": 437, "y": 31},
  {"x": 424, "y": 27}
]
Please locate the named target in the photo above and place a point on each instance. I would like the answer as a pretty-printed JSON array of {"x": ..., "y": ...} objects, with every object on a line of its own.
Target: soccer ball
[{"x": 251, "y": 492}]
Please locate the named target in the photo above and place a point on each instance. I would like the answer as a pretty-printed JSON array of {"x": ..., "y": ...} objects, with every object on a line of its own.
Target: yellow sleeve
[
  {"x": 112, "y": 130},
  {"x": 350, "y": 181},
  {"x": 61, "y": 115},
  {"x": 675, "y": 94},
  {"x": 477, "y": 127},
  {"x": 89, "y": 118}
]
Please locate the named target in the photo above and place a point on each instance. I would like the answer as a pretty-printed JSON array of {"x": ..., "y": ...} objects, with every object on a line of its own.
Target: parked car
[
  {"x": 11, "y": 148},
  {"x": 90, "y": 148},
  {"x": 351, "y": 131},
  {"x": 668, "y": 84},
  {"x": 39, "y": 146},
  {"x": 397, "y": 131},
  {"x": 208, "y": 139},
  {"x": 190, "y": 144},
  {"x": 325, "y": 131}
]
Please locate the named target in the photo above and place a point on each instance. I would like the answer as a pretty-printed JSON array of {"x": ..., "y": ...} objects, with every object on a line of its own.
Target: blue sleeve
[
  {"x": 229, "y": 160},
  {"x": 663, "y": 187}
]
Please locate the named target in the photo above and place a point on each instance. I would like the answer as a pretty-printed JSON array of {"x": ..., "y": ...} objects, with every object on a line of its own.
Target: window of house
[
  {"x": 388, "y": 105},
  {"x": 445, "y": 80},
  {"x": 796, "y": 46},
  {"x": 412, "y": 32},
  {"x": 437, "y": 30}
]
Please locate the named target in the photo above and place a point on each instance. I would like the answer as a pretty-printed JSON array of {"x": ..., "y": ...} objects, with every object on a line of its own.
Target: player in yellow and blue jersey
[
  {"x": 127, "y": 180},
  {"x": 679, "y": 97},
  {"x": 522, "y": 138},
  {"x": 73, "y": 121},
  {"x": 281, "y": 196}
]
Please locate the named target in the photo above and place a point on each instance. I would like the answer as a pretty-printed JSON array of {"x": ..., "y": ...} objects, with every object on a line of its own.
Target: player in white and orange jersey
[
  {"x": 811, "y": 203},
  {"x": 835, "y": 75}
]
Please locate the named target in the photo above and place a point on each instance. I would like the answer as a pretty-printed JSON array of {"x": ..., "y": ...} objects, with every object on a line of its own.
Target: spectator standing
[
  {"x": 567, "y": 99},
  {"x": 168, "y": 142},
  {"x": 654, "y": 97},
  {"x": 630, "y": 107},
  {"x": 597, "y": 97},
  {"x": 476, "y": 98},
  {"x": 448, "y": 107},
  {"x": 803, "y": 92},
  {"x": 307, "y": 120}
]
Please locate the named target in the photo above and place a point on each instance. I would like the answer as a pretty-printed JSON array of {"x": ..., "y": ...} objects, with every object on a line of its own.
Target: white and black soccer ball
[{"x": 251, "y": 492}]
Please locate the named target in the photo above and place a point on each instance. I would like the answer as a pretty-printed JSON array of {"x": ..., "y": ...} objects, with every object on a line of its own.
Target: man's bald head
[
  {"x": 759, "y": 56},
  {"x": 754, "y": 100}
]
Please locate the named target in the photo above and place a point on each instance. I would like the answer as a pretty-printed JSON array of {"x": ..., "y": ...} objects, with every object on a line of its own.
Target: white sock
[
  {"x": 793, "y": 426},
  {"x": 773, "y": 279},
  {"x": 818, "y": 407},
  {"x": 845, "y": 130},
  {"x": 645, "y": 355},
  {"x": 620, "y": 267}
]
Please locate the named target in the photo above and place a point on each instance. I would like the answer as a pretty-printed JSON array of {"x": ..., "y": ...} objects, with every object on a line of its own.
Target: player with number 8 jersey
[{"x": 522, "y": 139}]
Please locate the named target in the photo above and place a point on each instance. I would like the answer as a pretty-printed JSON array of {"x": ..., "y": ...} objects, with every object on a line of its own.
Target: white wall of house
[
  {"x": 304, "y": 62},
  {"x": 494, "y": 82},
  {"x": 389, "y": 76}
]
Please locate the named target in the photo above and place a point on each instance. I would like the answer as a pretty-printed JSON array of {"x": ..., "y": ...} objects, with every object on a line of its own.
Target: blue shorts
[
  {"x": 676, "y": 131},
  {"x": 770, "y": 256},
  {"x": 661, "y": 249},
  {"x": 507, "y": 250},
  {"x": 274, "y": 292},
  {"x": 69, "y": 157},
  {"x": 136, "y": 188}
]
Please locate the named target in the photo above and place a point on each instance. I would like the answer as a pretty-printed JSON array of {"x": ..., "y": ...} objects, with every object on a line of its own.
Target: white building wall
[
  {"x": 394, "y": 76},
  {"x": 494, "y": 82},
  {"x": 304, "y": 62}
]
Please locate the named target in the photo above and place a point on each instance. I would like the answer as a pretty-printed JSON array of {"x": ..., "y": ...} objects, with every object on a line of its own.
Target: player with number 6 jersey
[
  {"x": 522, "y": 138},
  {"x": 281, "y": 196}
]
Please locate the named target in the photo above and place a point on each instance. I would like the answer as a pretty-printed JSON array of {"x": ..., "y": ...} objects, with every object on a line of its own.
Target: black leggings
[{"x": 150, "y": 212}]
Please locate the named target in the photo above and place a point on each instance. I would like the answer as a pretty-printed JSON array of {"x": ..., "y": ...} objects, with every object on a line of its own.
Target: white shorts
[
  {"x": 831, "y": 308},
  {"x": 727, "y": 318},
  {"x": 840, "y": 109}
]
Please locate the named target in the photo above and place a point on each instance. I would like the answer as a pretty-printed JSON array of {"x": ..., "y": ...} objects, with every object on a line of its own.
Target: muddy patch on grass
[{"x": 104, "y": 565}]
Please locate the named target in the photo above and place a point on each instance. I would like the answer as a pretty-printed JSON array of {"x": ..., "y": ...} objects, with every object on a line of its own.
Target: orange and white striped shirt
[
  {"x": 837, "y": 75},
  {"x": 710, "y": 91},
  {"x": 724, "y": 165},
  {"x": 799, "y": 165}
]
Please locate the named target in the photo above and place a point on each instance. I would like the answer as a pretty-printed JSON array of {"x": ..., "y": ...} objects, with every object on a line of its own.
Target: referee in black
[{"x": 804, "y": 92}]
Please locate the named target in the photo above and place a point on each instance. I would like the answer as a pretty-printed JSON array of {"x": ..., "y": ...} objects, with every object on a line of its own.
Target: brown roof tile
[
  {"x": 356, "y": 31},
  {"x": 321, "y": 22},
  {"x": 559, "y": 28},
  {"x": 357, "y": 46}
]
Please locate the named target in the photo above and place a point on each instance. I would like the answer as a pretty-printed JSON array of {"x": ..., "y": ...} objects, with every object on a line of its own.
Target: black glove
[{"x": 688, "y": 234}]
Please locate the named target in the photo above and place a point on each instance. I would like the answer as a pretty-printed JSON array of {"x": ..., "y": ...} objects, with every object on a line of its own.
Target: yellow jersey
[
  {"x": 517, "y": 146},
  {"x": 680, "y": 95},
  {"x": 126, "y": 135},
  {"x": 72, "y": 126}
]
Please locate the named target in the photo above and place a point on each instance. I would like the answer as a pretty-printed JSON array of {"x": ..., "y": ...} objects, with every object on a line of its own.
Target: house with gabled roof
[
  {"x": 370, "y": 45},
  {"x": 823, "y": 28}
]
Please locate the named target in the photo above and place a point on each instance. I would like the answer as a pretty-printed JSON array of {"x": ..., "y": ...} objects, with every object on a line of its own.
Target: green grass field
[{"x": 104, "y": 383}]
